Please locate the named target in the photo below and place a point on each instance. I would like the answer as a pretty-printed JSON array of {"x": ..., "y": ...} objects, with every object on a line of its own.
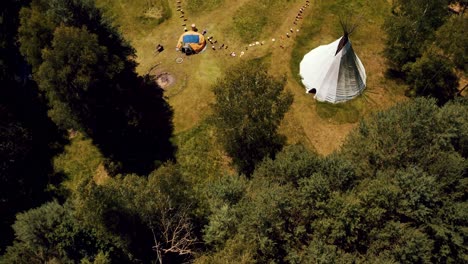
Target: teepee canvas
[{"x": 334, "y": 72}]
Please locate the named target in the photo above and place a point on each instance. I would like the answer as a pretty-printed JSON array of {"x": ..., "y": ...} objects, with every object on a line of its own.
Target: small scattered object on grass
[
  {"x": 179, "y": 60},
  {"x": 242, "y": 53},
  {"x": 226, "y": 47},
  {"x": 185, "y": 29},
  {"x": 221, "y": 46},
  {"x": 184, "y": 25},
  {"x": 204, "y": 32},
  {"x": 233, "y": 54},
  {"x": 297, "y": 30},
  {"x": 181, "y": 16},
  {"x": 282, "y": 46},
  {"x": 185, "y": 19},
  {"x": 287, "y": 35},
  {"x": 194, "y": 27},
  {"x": 215, "y": 42},
  {"x": 213, "y": 47},
  {"x": 159, "y": 48},
  {"x": 273, "y": 39},
  {"x": 257, "y": 43},
  {"x": 291, "y": 30}
]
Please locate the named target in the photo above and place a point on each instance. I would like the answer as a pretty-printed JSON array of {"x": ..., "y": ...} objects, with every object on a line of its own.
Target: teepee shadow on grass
[{"x": 341, "y": 113}]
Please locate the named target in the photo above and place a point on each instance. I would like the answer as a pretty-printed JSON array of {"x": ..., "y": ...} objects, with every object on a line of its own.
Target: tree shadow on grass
[{"x": 134, "y": 132}]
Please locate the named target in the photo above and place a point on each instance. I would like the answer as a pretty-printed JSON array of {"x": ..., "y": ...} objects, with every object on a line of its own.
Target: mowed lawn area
[{"x": 236, "y": 24}]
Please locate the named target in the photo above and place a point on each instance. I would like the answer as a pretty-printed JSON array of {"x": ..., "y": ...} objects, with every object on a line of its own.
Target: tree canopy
[
  {"x": 424, "y": 45},
  {"x": 86, "y": 71},
  {"x": 249, "y": 107},
  {"x": 395, "y": 191}
]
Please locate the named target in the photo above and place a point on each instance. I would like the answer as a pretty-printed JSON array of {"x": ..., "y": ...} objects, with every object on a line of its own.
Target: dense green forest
[{"x": 395, "y": 192}]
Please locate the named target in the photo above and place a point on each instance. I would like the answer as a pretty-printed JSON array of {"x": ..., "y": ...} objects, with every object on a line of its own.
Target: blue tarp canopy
[{"x": 191, "y": 39}]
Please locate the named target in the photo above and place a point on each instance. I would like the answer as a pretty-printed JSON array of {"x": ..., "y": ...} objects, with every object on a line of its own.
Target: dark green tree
[
  {"x": 88, "y": 75},
  {"x": 39, "y": 20},
  {"x": 249, "y": 107},
  {"x": 148, "y": 218},
  {"x": 451, "y": 38},
  {"x": 70, "y": 74},
  {"x": 432, "y": 75},
  {"x": 418, "y": 151},
  {"x": 51, "y": 233},
  {"x": 28, "y": 138},
  {"x": 395, "y": 194},
  {"x": 410, "y": 28}
]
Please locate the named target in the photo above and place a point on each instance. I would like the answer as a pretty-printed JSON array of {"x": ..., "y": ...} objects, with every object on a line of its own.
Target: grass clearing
[
  {"x": 200, "y": 155},
  {"x": 257, "y": 18},
  {"x": 200, "y": 6},
  {"x": 136, "y": 16},
  {"x": 367, "y": 43},
  {"x": 319, "y": 126}
]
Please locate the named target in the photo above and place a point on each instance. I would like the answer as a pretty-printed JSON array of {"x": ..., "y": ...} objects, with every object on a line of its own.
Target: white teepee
[{"x": 334, "y": 72}]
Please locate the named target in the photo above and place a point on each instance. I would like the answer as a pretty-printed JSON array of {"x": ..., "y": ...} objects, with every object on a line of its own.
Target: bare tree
[{"x": 172, "y": 232}]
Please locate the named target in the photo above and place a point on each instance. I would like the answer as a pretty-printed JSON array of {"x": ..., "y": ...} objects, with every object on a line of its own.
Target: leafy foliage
[
  {"x": 450, "y": 38},
  {"x": 249, "y": 107},
  {"x": 424, "y": 46},
  {"x": 50, "y": 233},
  {"x": 28, "y": 139},
  {"x": 148, "y": 218},
  {"x": 411, "y": 27},
  {"x": 433, "y": 75},
  {"x": 84, "y": 67},
  {"x": 396, "y": 193}
]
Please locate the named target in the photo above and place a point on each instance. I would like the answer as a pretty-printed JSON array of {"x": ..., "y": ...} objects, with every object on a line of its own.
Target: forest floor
[{"x": 320, "y": 126}]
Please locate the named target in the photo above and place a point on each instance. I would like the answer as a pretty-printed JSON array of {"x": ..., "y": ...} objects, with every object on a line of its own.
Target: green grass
[
  {"x": 257, "y": 17},
  {"x": 199, "y": 6},
  {"x": 323, "y": 27},
  {"x": 238, "y": 23},
  {"x": 136, "y": 15},
  {"x": 199, "y": 155}
]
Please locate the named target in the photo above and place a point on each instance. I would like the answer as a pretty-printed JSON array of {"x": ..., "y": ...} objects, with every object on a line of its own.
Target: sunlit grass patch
[
  {"x": 199, "y": 6},
  {"x": 257, "y": 17},
  {"x": 199, "y": 155},
  {"x": 80, "y": 160},
  {"x": 136, "y": 15}
]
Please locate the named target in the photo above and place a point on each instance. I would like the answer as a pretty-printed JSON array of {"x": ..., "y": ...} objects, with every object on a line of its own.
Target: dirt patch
[
  {"x": 154, "y": 12},
  {"x": 165, "y": 80}
]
